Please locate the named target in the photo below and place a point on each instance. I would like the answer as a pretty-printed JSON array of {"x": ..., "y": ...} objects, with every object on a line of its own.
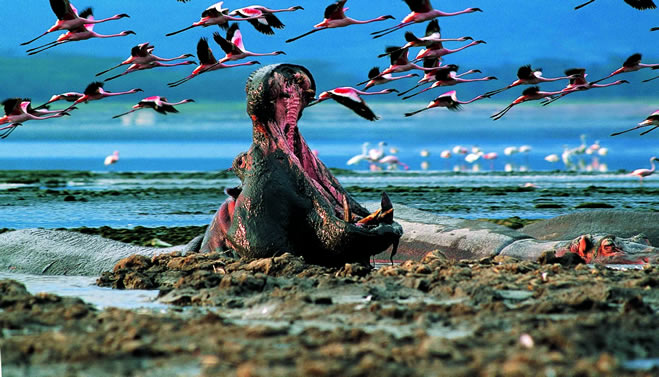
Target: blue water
[{"x": 207, "y": 137}]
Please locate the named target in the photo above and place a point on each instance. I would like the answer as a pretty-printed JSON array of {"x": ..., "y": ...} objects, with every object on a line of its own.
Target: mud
[{"x": 281, "y": 317}]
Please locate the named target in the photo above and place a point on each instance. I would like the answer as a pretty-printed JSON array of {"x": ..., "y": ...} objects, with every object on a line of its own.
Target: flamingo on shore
[
  {"x": 636, "y": 4},
  {"x": 80, "y": 34},
  {"x": 213, "y": 15},
  {"x": 111, "y": 159},
  {"x": 350, "y": 98},
  {"x": 448, "y": 100},
  {"x": 234, "y": 48},
  {"x": 157, "y": 103},
  {"x": 433, "y": 35},
  {"x": 446, "y": 76},
  {"x": 207, "y": 63},
  {"x": 529, "y": 94},
  {"x": 578, "y": 83},
  {"x": 393, "y": 162},
  {"x": 354, "y": 160},
  {"x": 642, "y": 173},
  {"x": 376, "y": 79},
  {"x": 437, "y": 50},
  {"x": 95, "y": 92},
  {"x": 68, "y": 18},
  {"x": 650, "y": 121},
  {"x": 421, "y": 11},
  {"x": 266, "y": 19},
  {"x": 335, "y": 17},
  {"x": 19, "y": 110},
  {"x": 142, "y": 54},
  {"x": 527, "y": 76},
  {"x": 632, "y": 64},
  {"x": 141, "y": 67}
]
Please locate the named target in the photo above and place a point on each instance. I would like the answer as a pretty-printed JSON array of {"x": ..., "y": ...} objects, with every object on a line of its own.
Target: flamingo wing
[
  {"x": 433, "y": 29},
  {"x": 235, "y": 36},
  {"x": 63, "y": 9},
  {"x": 531, "y": 91},
  {"x": 641, "y": 4},
  {"x": 525, "y": 72},
  {"x": 215, "y": 10},
  {"x": 632, "y": 61},
  {"x": 373, "y": 73},
  {"x": 430, "y": 62},
  {"x": 397, "y": 55},
  {"x": 12, "y": 106},
  {"x": 335, "y": 11},
  {"x": 419, "y": 6},
  {"x": 93, "y": 88},
  {"x": 86, "y": 13},
  {"x": 227, "y": 47},
  {"x": 358, "y": 106},
  {"x": 204, "y": 53}
]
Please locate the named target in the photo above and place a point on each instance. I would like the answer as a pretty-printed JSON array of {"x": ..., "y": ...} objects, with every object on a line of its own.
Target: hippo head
[
  {"x": 609, "y": 249},
  {"x": 288, "y": 200}
]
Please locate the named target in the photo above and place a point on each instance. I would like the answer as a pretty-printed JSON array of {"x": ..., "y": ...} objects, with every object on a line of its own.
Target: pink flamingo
[
  {"x": 234, "y": 48},
  {"x": 642, "y": 173},
  {"x": 393, "y": 162},
  {"x": 433, "y": 35},
  {"x": 68, "y": 18},
  {"x": 266, "y": 19},
  {"x": 527, "y": 76},
  {"x": 111, "y": 159},
  {"x": 632, "y": 64},
  {"x": 19, "y": 110},
  {"x": 437, "y": 50},
  {"x": 376, "y": 79},
  {"x": 652, "y": 120},
  {"x": 578, "y": 83},
  {"x": 157, "y": 103},
  {"x": 335, "y": 17},
  {"x": 400, "y": 62},
  {"x": 140, "y": 67},
  {"x": 429, "y": 76},
  {"x": 213, "y": 15},
  {"x": 529, "y": 94},
  {"x": 446, "y": 76},
  {"x": 350, "y": 98},
  {"x": 95, "y": 92},
  {"x": 68, "y": 96},
  {"x": 207, "y": 63},
  {"x": 422, "y": 11},
  {"x": 637, "y": 4},
  {"x": 142, "y": 54},
  {"x": 80, "y": 34},
  {"x": 448, "y": 100}
]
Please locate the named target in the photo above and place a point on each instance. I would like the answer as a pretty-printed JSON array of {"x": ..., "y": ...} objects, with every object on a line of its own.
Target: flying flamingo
[
  {"x": 157, "y": 103},
  {"x": 578, "y": 83},
  {"x": 429, "y": 76},
  {"x": 207, "y": 63},
  {"x": 142, "y": 54},
  {"x": 437, "y": 50},
  {"x": 350, "y": 98},
  {"x": 335, "y": 17},
  {"x": 68, "y": 96},
  {"x": 19, "y": 110},
  {"x": 433, "y": 35},
  {"x": 140, "y": 67},
  {"x": 650, "y": 121},
  {"x": 529, "y": 94},
  {"x": 448, "y": 100},
  {"x": 80, "y": 34},
  {"x": 527, "y": 76},
  {"x": 68, "y": 18},
  {"x": 376, "y": 79},
  {"x": 632, "y": 64},
  {"x": 111, "y": 159},
  {"x": 446, "y": 76},
  {"x": 400, "y": 62},
  {"x": 642, "y": 173},
  {"x": 422, "y": 11},
  {"x": 95, "y": 91},
  {"x": 213, "y": 15},
  {"x": 637, "y": 4},
  {"x": 234, "y": 48},
  {"x": 266, "y": 19}
]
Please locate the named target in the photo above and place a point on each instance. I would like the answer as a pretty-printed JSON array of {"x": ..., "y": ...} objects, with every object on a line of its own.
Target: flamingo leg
[
  {"x": 9, "y": 129},
  {"x": 179, "y": 82},
  {"x": 416, "y": 112},
  {"x": 304, "y": 35},
  {"x": 501, "y": 113},
  {"x": 109, "y": 69},
  {"x": 32, "y": 40},
  {"x": 43, "y": 45},
  {"x": 117, "y": 76},
  {"x": 650, "y": 130},
  {"x": 417, "y": 93},
  {"x": 49, "y": 47},
  {"x": 648, "y": 80},
  {"x": 180, "y": 31},
  {"x": 409, "y": 90},
  {"x": 497, "y": 91},
  {"x": 122, "y": 114},
  {"x": 584, "y": 4},
  {"x": 383, "y": 32}
]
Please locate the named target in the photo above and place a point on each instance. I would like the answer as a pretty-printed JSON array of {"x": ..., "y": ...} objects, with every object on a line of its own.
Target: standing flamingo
[
  {"x": 157, "y": 103},
  {"x": 335, "y": 17},
  {"x": 234, "y": 48},
  {"x": 393, "y": 162},
  {"x": 80, "y": 34},
  {"x": 529, "y": 94},
  {"x": 446, "y": 76},
  {"x": 578, "y": 83},
  {"x": 142, "y": 54},
  {"x": 266, "y": 19},
  {"x": 213, "y": 15},
  {"x": 642, "y": 173},
  {"x": 19, "y": 110},
  {"x": 68, "y": 18},
  {"x": 350, "y": 98},
  {"x": 448, "y": 100},
  {"x": 111, "y": 159},
  {"x": 356, "y": 159},
  {"x": 437, "y": 50},
  {"x": 422, "y": 11},
  {"x": 637, "y": 4},
  {"x": 527, "y": 76},
  {"x": 650, "y": 121},
  {"x": 140, "y": 67},
  {"x": 632, "y": 64},
  {"x": 95, "y": 91},
  {"x": 376, "y": 79},
  {"x": 207, "y": 63}
]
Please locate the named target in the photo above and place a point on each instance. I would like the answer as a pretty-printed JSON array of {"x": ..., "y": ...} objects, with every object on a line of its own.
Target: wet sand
[{"x": 282, "y": 317}]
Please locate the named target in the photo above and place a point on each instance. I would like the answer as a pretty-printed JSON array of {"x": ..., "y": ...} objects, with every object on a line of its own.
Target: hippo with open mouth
[{"x": 288, "y": 200}]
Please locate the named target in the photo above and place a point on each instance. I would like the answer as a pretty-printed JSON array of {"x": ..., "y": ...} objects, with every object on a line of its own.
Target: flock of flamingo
[{"x": 79, "y": 26}]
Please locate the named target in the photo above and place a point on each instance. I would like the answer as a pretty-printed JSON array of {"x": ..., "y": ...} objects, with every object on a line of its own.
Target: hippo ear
[{"x": 584, "y": 244}]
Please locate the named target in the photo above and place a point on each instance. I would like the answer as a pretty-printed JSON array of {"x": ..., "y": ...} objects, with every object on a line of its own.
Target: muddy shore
[{"x": 281, "y": 317}]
